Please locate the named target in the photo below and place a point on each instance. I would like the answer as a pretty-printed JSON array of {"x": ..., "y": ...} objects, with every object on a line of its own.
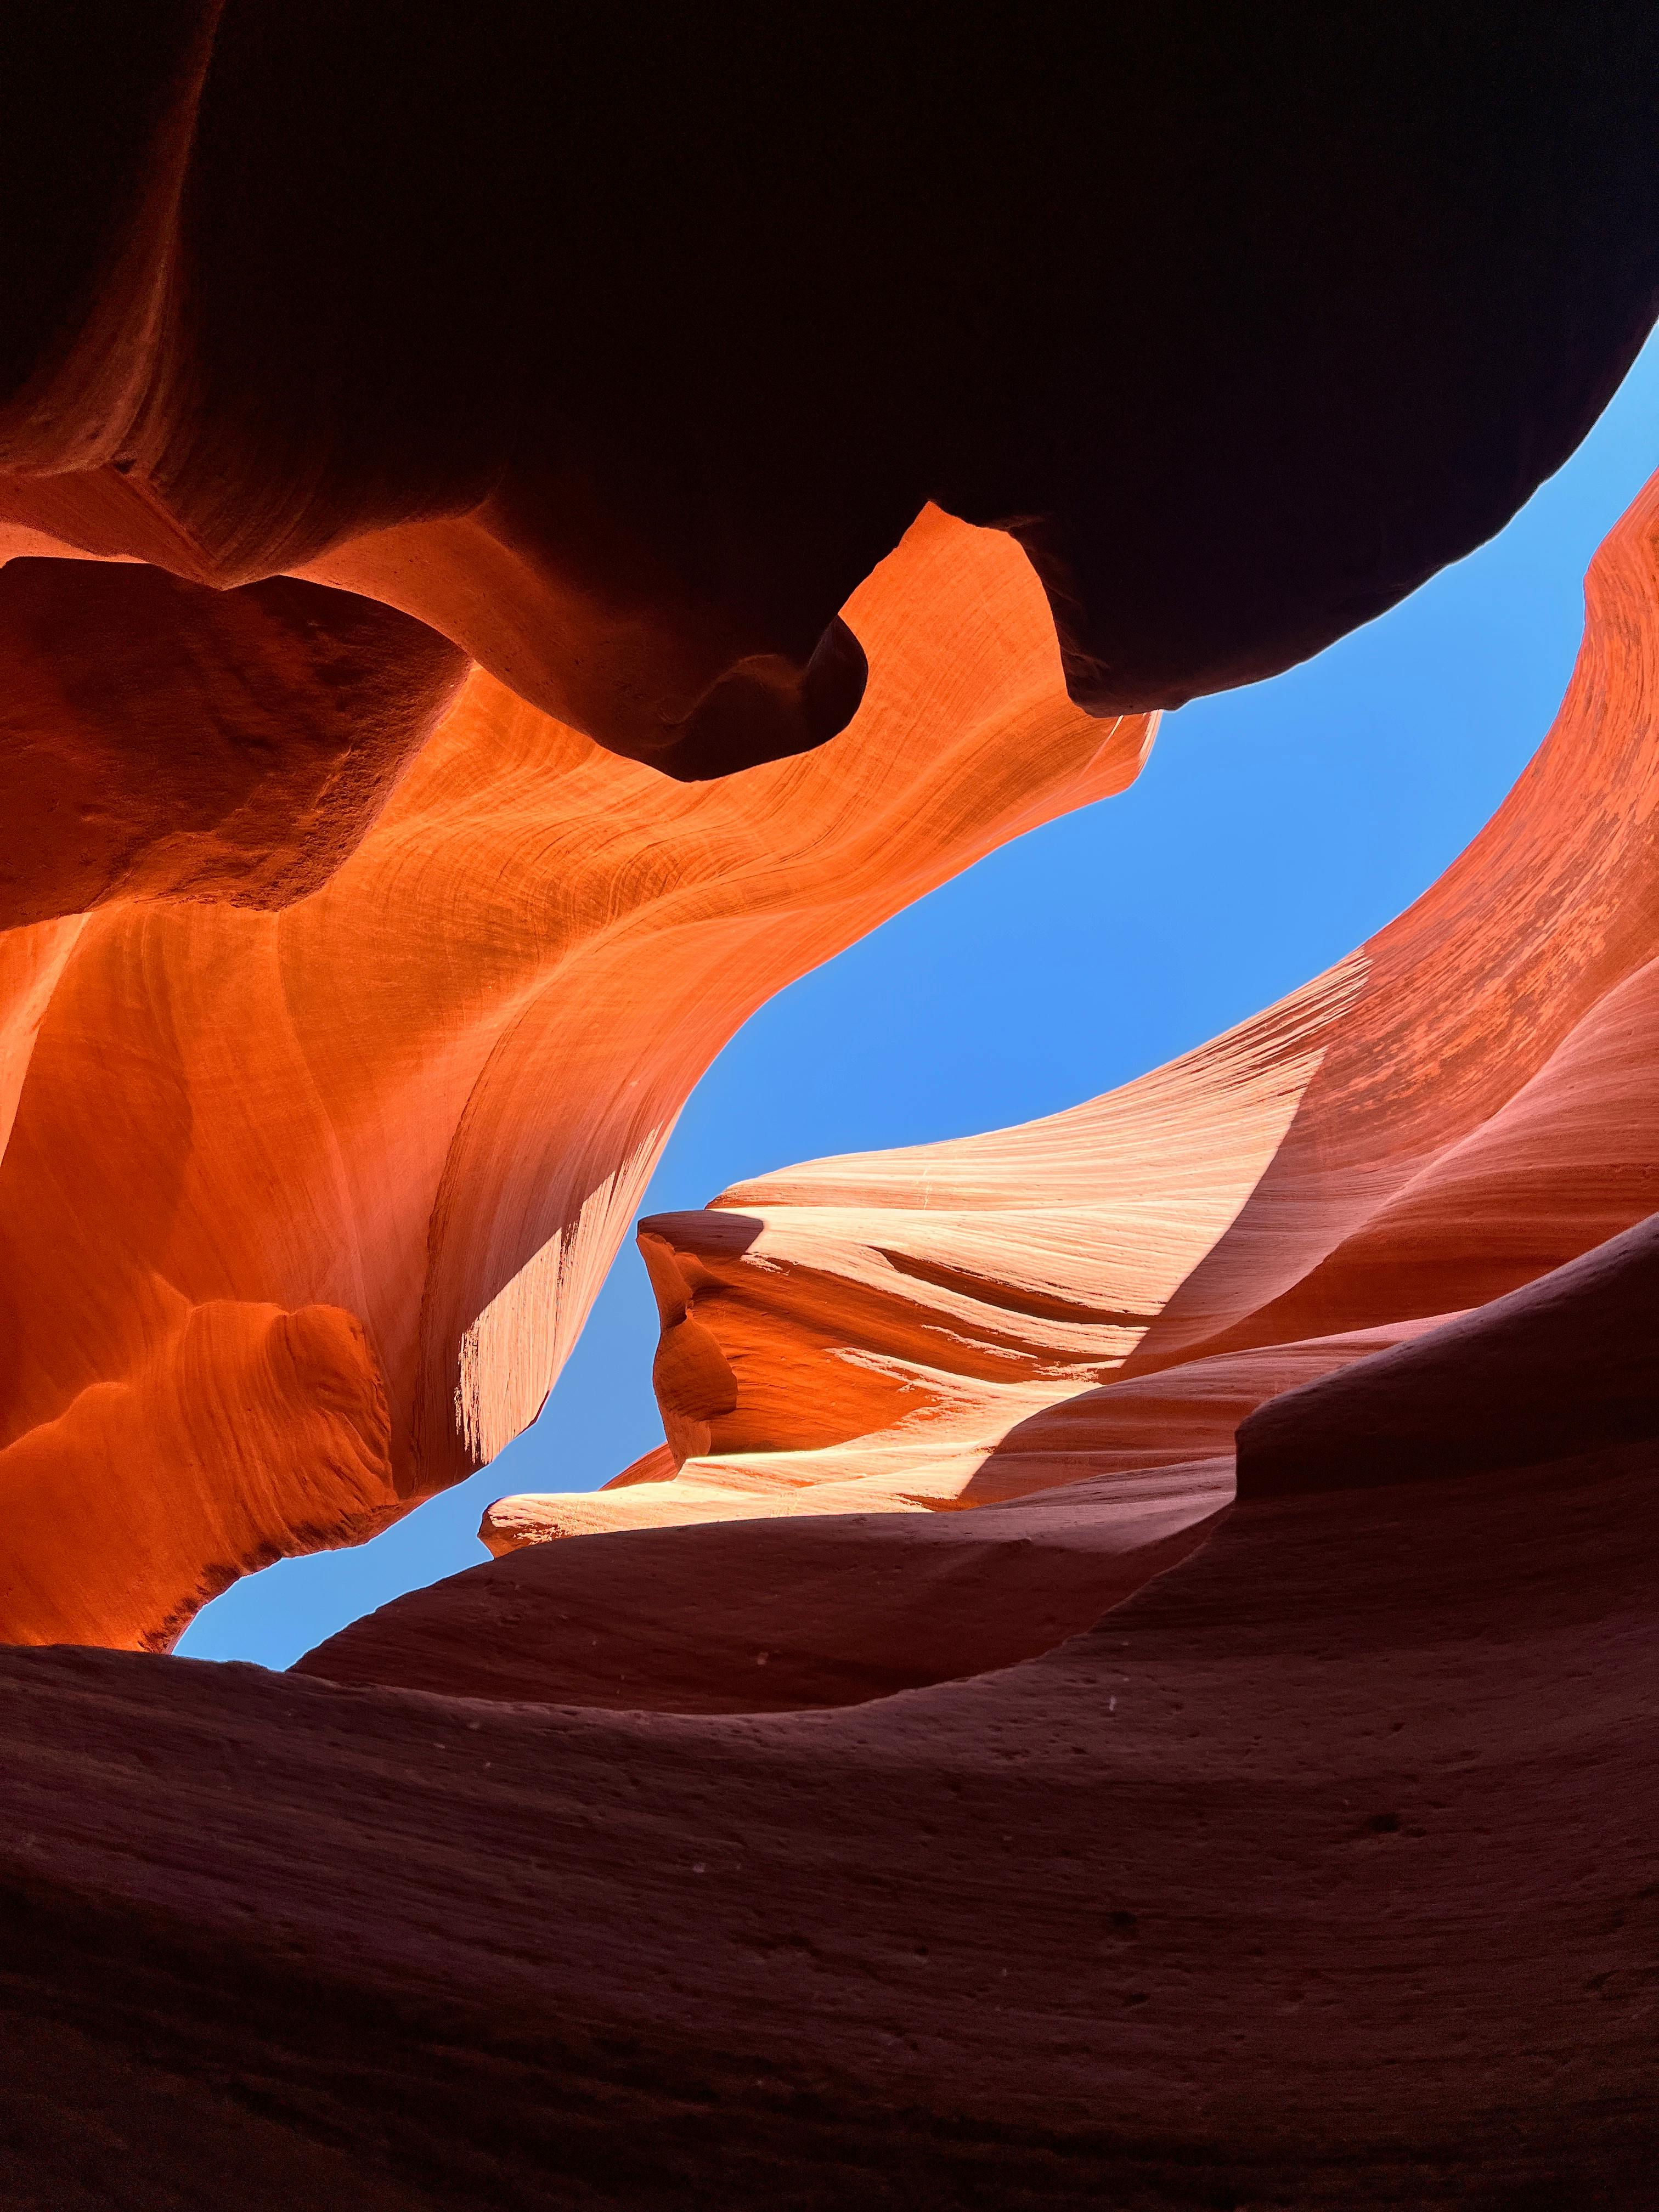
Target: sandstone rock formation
[
  {"x": 781, "y": 1611},
  {"x": 619, "y": 344},
  {"x": 356, "y": 455},
  {"x": 1465, "y": 1104},
  {"x": 301, "y": 1210},
  {"x": 418, "y": 428},
  {"x": 1319, "y": 1874}
]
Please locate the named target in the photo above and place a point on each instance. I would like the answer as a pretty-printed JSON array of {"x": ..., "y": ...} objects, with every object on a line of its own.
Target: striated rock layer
[
  {"x": 314, "y": 1157},
  {"x": 347, "y": 989},
  {"x": 1463, "y": 1105},
  {"x": 395, "y": 414},
  {"x": 1320, "y": 1872}
]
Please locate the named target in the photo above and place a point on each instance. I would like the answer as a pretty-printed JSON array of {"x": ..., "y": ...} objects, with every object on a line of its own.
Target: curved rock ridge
[
  {"x": 304, "y": 1199},
  {"x": 1562, "y": 1367},
  {"x": 346, "y": 997},
  {"x": 778, "y": 1614},
  {"x": 303, "y": 289},
  {"x": 1465, "y": 1104},
  {"x": 1319, "y": 1873}
]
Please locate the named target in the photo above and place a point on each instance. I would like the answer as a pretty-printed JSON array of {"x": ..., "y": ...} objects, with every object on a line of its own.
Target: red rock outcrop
[
  {"x": 1319, "y": 1872},
  {"x": 778, "y": 1613},
  {"x": 166, "y": 740},
  {"x": 1464, "y": 1104},
  {"x": 301, "y": 1210}
]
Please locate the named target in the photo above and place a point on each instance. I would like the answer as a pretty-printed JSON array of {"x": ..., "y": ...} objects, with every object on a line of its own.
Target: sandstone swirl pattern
[
  {"x": 1318, "y": 1872},
  {"x": 1463, "y": 1105},
  {"x": 445, "y": 411},
  {"x": 304, "y": 1197}
]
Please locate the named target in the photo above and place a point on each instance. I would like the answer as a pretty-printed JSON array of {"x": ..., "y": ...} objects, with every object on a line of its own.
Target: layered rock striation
[
  {"x": 416, "y": 433},
  {"x": 1317, "y": 1871},
  {"x": 385, "y": 498},
  {"x": 307, "y": 1186},
  {"x": 1320, "y": 1872},
  {"x": 1464, "y": 1104}
]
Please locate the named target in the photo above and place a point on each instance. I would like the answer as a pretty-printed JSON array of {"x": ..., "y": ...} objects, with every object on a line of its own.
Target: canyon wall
[
  {"x": 522, "y": 530},
  {"x": 1318, "y": 1873},
  {"x": 1463, "y": 1104},
  {"x": 385, "y": 501},
  {"x": 619, "y": 345},
  {"x": 1317, "y": 1870},
  {"x": 307, "y": 1186}
]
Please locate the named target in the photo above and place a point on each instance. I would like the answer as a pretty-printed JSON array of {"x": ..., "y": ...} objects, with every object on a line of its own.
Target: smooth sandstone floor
[{"x": 1320, "y": 1874}]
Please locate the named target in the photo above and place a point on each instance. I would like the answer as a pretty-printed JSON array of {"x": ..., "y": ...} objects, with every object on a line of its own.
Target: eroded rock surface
[
  {"x": 775, "y": 1613},
  {"x": 1464, "y": 1104},
  {"x": 474, "y": 412},
  {"x": 304, "y": 1197},
  {"x": 1320, "y": 1872},
  {"x": 326, "y": 388}
]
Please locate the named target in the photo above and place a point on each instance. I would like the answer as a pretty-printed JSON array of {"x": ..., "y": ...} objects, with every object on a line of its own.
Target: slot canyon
[{"x": 1130, "y": 1677}]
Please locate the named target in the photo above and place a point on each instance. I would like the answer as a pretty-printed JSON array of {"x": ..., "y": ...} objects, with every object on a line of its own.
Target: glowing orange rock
[
  {"x": 617, "y": 345},
  {"x": 1465, "y": 1104},
  {"x": 161, "y": 738},
  {"x": 303, "y": 1202}
]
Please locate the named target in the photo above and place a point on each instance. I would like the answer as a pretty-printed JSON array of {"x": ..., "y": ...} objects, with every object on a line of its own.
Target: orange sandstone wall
[
  {"x": 1465, "y": 1104},
  {"x": 303, "y": 1201}
]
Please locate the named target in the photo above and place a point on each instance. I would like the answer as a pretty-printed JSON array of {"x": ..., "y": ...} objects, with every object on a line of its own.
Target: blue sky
[{"x": 1273, "y": 828}]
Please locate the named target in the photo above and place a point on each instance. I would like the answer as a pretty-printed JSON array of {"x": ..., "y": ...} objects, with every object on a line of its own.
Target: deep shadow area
[
  {"x": 1245, "y": 323},
  {"x": 782, "y": 1613},
  {"x": 1160, "y": 1919}
]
